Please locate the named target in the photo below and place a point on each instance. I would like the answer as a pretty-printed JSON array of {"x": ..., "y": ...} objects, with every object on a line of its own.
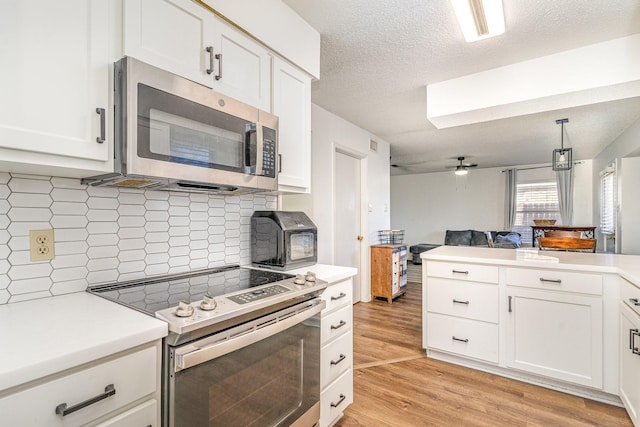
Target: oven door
[{"x": 265, "y": 372}]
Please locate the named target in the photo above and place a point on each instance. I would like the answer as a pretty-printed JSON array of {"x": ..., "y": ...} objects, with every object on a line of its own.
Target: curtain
[
  {"x": 509, "y": 199},
  {"x": 564, "y": 180}
]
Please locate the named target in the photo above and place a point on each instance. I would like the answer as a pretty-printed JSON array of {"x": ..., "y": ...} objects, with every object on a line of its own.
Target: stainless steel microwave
[{"x": 172, "y": 133}]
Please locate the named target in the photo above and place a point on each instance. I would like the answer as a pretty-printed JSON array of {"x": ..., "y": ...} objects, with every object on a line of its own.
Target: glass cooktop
[{"x": 162, "y": 292}]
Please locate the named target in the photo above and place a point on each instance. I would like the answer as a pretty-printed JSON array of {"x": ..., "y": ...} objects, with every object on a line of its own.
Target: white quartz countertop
[
  {"x": 45, "y": 336},
  {"x": 627, "y": 266},
  {"x": 328, "y": 273}
]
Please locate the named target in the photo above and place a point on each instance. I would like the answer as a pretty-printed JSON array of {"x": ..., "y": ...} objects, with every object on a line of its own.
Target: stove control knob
[
  {"x": 310, "y": 277},
  {"x": 208, "y": 303},
  {"x": 299, "y": 280},
  {"x": 184, "y": 309}
]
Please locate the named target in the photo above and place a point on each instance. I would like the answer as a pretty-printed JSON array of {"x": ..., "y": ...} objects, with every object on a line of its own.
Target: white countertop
[
  {"x": 45, "y": 336},
  {"x": 328, "y": 273},
  {"x": 627, "y": 266}
]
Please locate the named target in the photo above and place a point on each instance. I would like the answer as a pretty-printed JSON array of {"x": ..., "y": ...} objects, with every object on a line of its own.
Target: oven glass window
[
  {"x": 177, "y": 130},
  {"x": 302, "y": 245},
  {"x": 269, "y": 383}
]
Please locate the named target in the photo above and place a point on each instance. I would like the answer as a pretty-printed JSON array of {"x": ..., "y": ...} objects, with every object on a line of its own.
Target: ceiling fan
[{"x": 462, "y": 168}]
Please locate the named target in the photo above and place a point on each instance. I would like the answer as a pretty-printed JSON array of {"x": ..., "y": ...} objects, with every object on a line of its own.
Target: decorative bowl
[{"x": 544, "y": 222}]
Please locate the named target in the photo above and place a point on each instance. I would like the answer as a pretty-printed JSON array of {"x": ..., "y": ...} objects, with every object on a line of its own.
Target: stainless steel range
[{"x": 243, "y": 347}]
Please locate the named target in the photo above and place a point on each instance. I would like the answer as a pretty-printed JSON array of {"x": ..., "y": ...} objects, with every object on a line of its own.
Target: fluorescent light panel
[{"x": 479, "y": 19}]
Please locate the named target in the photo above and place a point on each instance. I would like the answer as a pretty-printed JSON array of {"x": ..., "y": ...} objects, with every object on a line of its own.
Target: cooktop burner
[{"x": 150, "y": 296}]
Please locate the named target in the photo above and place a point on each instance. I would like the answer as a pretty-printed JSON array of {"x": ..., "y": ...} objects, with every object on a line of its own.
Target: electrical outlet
[{"x": 41, "y": 245}]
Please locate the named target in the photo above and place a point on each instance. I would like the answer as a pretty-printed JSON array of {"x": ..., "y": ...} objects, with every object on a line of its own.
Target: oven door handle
[{"x": 191, "y": 355}]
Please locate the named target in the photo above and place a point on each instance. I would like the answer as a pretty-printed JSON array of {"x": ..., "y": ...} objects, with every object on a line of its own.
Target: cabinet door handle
[
  {"x": 342, "y": 295},
  {"x": 340, "y": 359},
  {"x": 342, "y": 398},
  {"x": 455, "y": 301},
  {"x": 63, "y": 410},
  {"x": 279, "y": 163},
  {"x": 209, "y": 49},
  {"x": 558, "y": 281},
  {"x": 633, "y": 333},
  {"x": 459, "y": 339},
  {"x": 219, "y": 58},
  {"x": 510, "y": 304},
  {"x": 340, "y": 325},
  {"x": 102, "y": 137},
  {"x": 634, "y": 301},
  {"x": 459, "y": 272}
]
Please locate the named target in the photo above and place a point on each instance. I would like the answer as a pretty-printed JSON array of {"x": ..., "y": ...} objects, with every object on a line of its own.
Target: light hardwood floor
[{"x": 395, "y": 385}]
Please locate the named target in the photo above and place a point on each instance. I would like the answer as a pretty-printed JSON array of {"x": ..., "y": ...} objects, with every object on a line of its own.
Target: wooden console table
[{"x": 538, "y": 231}]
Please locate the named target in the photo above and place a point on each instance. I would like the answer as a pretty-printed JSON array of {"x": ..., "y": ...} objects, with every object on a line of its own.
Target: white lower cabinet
[
  {"x": 556, "y": 335},
  {"x": 554, "y": 324},
  {"x": 96, "y": 393},
  {"x": 469, "y": 338},
  {"x": 630, "y": 350},
  {"x": 336, "y": 356}
]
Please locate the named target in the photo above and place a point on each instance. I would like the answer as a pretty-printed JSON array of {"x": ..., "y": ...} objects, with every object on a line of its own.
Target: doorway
[{"x": 348, "y": 215}]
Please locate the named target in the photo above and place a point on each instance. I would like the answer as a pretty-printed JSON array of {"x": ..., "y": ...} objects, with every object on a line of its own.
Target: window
[
  {"x": 608, "y": 200},
  {"x": 535, "y": 200}
]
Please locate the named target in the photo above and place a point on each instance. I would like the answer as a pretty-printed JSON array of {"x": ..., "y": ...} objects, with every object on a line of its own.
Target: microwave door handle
[{"x": 259, "y": 148}]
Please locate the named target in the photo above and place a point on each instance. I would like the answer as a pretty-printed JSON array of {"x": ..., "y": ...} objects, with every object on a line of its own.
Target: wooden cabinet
[
  {"x": 554, "y": 325},
  {"x": 388, "y": 271},
  {"x": 630, "y": 350},
  {"x": 462, "y": 310},
  {"x": 55, "y": 86},
  {"x": 199, "y": 46},
  {"x": 336, "y": 355},
  {"x": 120, "y": 381},
  {"x": 292, "y": 105}
]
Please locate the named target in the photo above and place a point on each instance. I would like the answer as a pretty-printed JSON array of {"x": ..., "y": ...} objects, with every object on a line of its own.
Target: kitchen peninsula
[{"x": 553, "y": 320}]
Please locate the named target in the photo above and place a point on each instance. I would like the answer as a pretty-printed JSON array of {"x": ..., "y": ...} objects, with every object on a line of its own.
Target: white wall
[
  {"x": 426, "y": 205},
  {"x": 630, "y": 206},
  {"x": 626, "y": 145},
  {"x": 328, "y": 133}
]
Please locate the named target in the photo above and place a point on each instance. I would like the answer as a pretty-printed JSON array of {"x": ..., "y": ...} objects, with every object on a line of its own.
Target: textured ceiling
[{"x": 377, "y": 56}]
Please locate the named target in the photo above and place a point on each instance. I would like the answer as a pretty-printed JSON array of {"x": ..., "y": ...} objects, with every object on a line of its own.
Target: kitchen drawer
[
  {"x": 338, "y": 295},
  {"x": 471, "y": 300},
  {"x": 474, "y": 339},
  {"x": 142, "y": 415},
  {"x": 335, "y": 324},
  {"x": 458, "y": 271},
  {"x": 630, "y": 295},
  {"x": 335, "y": 399},
  {"x": 336, "y": 358},
  {"x": 133, "y": 377},
  {"x": 567, "y": 281}
]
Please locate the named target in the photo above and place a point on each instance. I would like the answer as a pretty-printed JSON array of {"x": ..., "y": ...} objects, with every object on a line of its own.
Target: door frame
[{"x": 363, "y": 272}]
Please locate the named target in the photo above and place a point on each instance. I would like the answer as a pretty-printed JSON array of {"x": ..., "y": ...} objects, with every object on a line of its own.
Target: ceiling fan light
[
  {"x": 479, "y": 19},
  {"x": 461, "y": 171}
]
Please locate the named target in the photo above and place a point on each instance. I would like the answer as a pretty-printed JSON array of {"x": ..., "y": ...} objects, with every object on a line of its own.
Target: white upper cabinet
[
  {"x": 292, "y": 104},
  {"x": 55, "y": 85},
  {"x": 184, "y": 38}
]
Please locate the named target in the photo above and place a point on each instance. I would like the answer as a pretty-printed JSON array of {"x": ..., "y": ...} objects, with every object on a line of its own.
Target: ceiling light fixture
[
  {"x": 461, "y": 170},
  {"x": 562, "y": 157},
  {"x": 479, "y": 19}
]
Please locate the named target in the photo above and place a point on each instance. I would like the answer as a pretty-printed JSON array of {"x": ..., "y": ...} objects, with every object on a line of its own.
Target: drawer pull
[
  {"x": 340, "y": 325},
  {"x": 455, "y": 301},
  {"x": 558, "y": 281},
  {"x": 342, "y": 398},
  {"x": 634, "y": 301},
  {"x": 342, "y": 295},
  {"x": 459, "y": 272},
  {"x": 340, "y": 359},
  {"x": 63, "y": 410},
  {"x": 459, "y": 339}
]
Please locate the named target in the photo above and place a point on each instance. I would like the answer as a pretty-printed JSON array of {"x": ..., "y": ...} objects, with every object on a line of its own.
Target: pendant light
[{"x": 562, "y": 157}]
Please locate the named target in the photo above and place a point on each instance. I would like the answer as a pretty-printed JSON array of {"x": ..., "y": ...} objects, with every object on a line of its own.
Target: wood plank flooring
[{"x": 395, "y": 385}]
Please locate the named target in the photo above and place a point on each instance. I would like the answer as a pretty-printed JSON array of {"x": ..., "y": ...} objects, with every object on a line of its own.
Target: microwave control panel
[{"x": 269, "y": 153}]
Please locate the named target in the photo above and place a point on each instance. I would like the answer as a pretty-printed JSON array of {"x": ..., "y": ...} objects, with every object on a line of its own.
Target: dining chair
[{"x": 567, "y": 244}]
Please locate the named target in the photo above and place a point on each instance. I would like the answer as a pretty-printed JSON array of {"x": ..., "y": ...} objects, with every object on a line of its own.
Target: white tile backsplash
[{"x": 107, "y": 234}]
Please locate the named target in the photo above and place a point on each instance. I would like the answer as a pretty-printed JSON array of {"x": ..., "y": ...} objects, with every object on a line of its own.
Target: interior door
[{"x": 347, "y": 248}]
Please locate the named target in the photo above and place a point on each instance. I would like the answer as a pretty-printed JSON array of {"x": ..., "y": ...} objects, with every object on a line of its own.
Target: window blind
[
  {"x": 535, "y": 200},
  {"x": 608, "y": 201}
]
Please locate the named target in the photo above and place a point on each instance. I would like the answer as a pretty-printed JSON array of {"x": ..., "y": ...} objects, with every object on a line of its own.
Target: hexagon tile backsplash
[{"x": 108, "y": 234}]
